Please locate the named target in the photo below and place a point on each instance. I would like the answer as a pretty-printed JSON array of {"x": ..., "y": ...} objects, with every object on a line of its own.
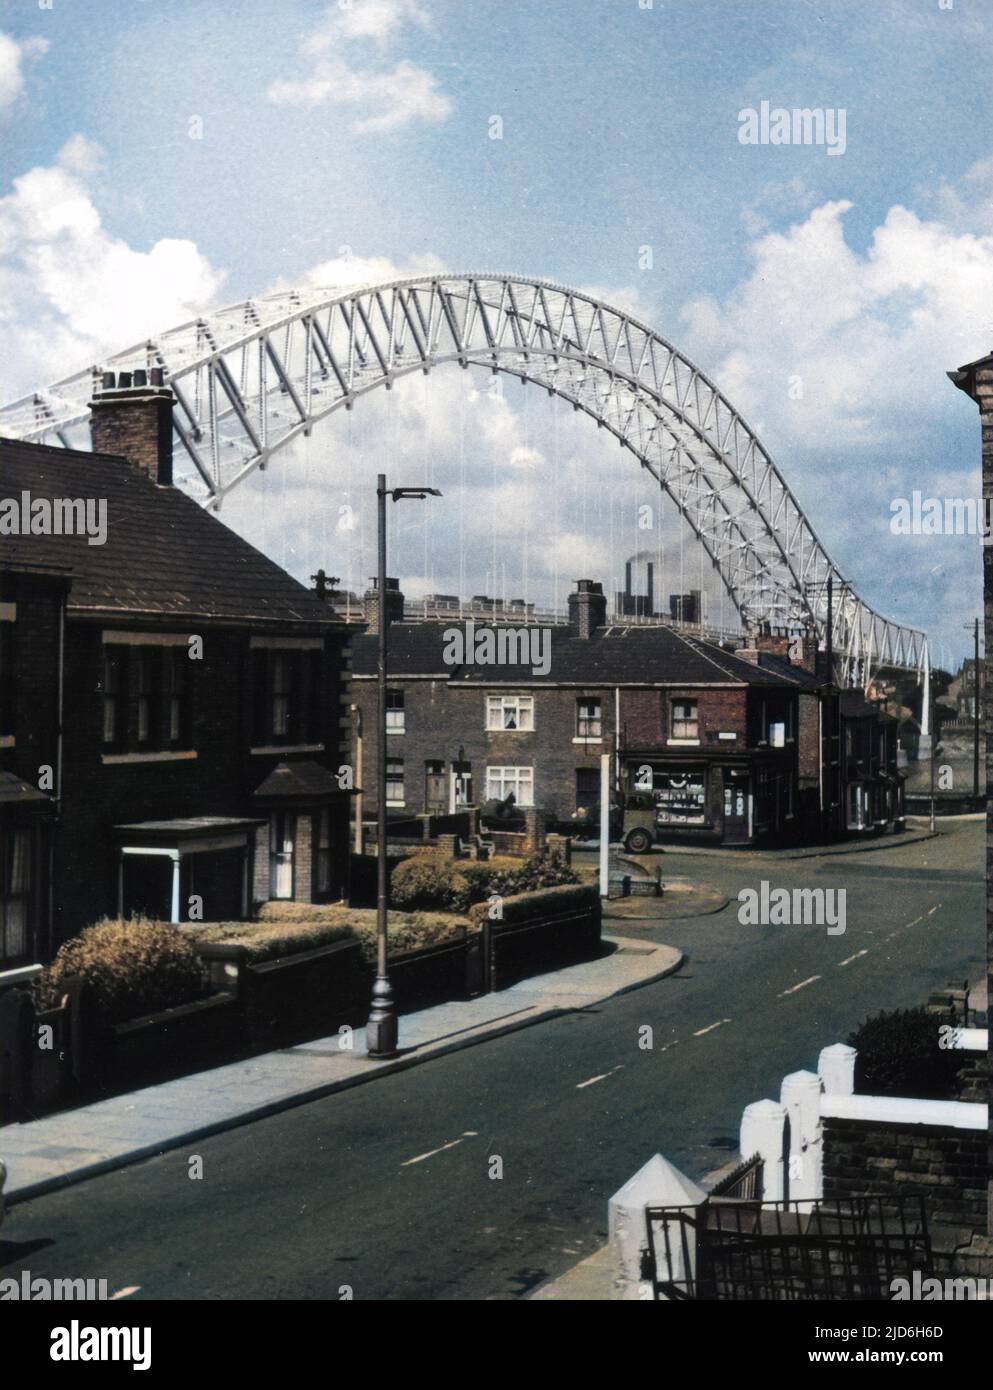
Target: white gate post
[
  {"x": 658, "y": 1184},
  {"x": 836, "y": 1068},
  {"x": 763, "y": 1126},
  {"x": 801, "y": 1097}
]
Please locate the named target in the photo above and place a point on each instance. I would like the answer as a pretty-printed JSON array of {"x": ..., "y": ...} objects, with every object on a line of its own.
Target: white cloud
[
  {"x": 367, "y": 19},
  {"x": 12, "y": 56},
  {"x": 380, "y": 97},
  {"x": 71, "y": 292},
  {"x": 820, "y": 342}
]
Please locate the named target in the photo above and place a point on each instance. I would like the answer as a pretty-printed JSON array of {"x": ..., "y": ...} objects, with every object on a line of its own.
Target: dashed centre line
[
  {"x": 849, "y": 959},
  {"x": 802, "y": 985},
  {"x": 452, "y": 1143},
  {"x": 710, "y": 1027},
  {"x": 591, "y": 1081}
]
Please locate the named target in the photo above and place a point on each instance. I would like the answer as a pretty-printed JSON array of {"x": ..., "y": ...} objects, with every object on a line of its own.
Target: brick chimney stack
[
  {"x": 394, "y": 604},
  {"x": 131, "y": 415},
  {"x": 587, "y": 608},
  {"x": 798, "y": 648}
]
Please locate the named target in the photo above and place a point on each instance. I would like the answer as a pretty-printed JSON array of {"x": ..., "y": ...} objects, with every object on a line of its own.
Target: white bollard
[
  {"x": 763, "y": 1132},
  {"x": 801, "y": 1098},
  {"x": 836, "y": 1068},
  {"x": 658, "y": 1184}
]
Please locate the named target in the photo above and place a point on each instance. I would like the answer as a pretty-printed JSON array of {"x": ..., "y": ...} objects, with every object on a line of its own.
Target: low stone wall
[{"x": 945, "y": 1166}]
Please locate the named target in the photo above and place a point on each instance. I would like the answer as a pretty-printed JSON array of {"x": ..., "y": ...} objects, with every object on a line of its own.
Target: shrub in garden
[
  {"x": 275, "y": 936},
  {"x": 133, "y": 967},
  {"x": 541, "y": 902},
  {"x": 454, "y": 885},
  {"x": 314, "y": 924},
  {"x": 899, "y": 1055}
]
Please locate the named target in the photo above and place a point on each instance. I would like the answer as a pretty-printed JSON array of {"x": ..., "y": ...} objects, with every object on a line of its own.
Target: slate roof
[
  {"x": 854, "y": 705},
  {"x": 626, "y": 655},
  {"x": 771, "y": 661},
  {"x": 164, "y": 557},
  {"x": 304, "y": 778},
  {"x": 16, "y": 792}
]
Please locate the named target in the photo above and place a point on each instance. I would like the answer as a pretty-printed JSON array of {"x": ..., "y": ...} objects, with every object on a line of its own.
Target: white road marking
[
  {"x": 125, "y": 1292},
  {"x": 453, "y": 1143},
  {"x": 916, "y": 920},
  {"x": 802, "y": 985},
  {"x": 932, "y": 910},
  {"x": 849, "y": 960},
  {"x": 602, "y": 1077},
  {"x": 710, "y": 1027}
]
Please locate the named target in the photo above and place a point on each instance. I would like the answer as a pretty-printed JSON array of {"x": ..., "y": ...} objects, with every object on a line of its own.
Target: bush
[
  {"x": 542, "y": 902},
  {"x": 407, "y": 931},
  {"x": 898, "y": 1055},
  {"x": 454, "y": 885},
  {"x": 270, "y": 940},
  {"x": 133, "y": 968}
]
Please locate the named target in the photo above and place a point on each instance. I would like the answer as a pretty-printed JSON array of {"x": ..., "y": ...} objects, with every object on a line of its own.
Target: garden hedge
[
  {"x": 434, "y": 883},
  {"x": 133, "y": 967}
]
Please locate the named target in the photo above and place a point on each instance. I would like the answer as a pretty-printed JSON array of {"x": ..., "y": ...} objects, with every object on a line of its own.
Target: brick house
[
  {"x": 171, "y": 699},
  {"x": 736, "y": 747}
]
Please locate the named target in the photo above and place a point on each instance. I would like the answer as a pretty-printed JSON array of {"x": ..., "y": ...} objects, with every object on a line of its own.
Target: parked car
[
  {"x": 632, "y": 821},
  {"x": 636, "y": 822}
]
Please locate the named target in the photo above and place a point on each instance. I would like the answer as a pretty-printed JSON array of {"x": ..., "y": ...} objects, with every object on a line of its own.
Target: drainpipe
[
  {"x": 357, "y": 716},
  {"x": 58, "y": 779}
]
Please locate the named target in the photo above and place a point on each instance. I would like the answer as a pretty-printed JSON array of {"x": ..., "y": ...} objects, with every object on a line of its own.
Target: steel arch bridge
[{"x": 250, "y": 378}]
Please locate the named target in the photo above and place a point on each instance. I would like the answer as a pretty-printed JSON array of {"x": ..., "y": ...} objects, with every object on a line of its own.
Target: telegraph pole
[{"x": 975, "y": 711}]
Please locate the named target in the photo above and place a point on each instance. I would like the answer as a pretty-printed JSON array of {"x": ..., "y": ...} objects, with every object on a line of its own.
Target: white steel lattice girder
[{"x": 252, "y": 377}]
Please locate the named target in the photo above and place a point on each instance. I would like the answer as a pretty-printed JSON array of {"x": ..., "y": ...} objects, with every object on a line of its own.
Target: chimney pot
[
  {"x": 587, "y": 608},
  {"x": 134, "y": 420}
]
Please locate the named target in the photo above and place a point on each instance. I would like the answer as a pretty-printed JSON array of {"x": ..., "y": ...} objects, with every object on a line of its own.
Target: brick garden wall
[{"x": 945, "y": 1166}]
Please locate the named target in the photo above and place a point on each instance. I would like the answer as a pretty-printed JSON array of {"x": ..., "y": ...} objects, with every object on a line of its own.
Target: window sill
[
  {"x": 397, "y": 805},
  {"x": 165, "y": 755},
  {"x": 588, "y": 740},
  {"x": 509, "y": 731},
  {"x": 684, "y": 742},
  {"x": 395, "y": 733},
  {"x": 271, "y": 749}
]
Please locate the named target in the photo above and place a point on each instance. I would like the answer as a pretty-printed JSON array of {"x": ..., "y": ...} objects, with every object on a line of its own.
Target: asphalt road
[{"x": 389, "y": 1188}]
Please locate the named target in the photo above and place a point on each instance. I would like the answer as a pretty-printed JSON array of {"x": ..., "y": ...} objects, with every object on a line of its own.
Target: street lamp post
[{"x": 381, "y": 1029}]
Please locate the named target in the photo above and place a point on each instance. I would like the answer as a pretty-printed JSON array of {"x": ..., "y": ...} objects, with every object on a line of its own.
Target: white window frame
[
  {"x": 502, "y": 780},
  {"x": 394, "y": 724},
  {"x": 596, "y": 719},
  {"x": 694, "y": 738},
  {"x": 395, "y": 782},
  {"x": 497, "y": 708}
]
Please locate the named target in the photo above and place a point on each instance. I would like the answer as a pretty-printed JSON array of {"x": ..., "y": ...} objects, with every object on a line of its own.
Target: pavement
[
  {"x": 484, "y": 1173},
  {"x": 74, "y": 1145}
]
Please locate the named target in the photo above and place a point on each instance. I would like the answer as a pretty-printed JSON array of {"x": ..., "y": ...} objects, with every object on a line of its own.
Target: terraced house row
[
  {"x": 170, "y": 701},
  {"x": 735, "y": 747}
]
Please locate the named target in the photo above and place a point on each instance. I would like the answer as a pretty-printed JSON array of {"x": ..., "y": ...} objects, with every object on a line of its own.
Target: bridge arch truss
[{"x": 251, "y": 378}]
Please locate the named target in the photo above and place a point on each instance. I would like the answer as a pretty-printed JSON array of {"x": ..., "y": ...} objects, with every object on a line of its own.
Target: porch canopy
[{"x": 179, "y": 841}]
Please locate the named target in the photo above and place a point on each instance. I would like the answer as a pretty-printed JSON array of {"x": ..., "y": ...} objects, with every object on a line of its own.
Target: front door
[
  {"x": 434, "y": 789},
  {"x": 736, "y": 791}
]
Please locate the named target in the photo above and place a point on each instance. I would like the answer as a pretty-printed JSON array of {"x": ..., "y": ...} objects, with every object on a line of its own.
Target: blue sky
[{"x": 367, "y": 126}]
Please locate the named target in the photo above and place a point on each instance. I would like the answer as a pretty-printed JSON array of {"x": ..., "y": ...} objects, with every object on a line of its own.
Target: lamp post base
[{"x": 382, "y": 1029}]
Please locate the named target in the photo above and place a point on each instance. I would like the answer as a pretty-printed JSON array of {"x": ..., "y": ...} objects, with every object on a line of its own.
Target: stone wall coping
[{"x": 903, "y": 1110}]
